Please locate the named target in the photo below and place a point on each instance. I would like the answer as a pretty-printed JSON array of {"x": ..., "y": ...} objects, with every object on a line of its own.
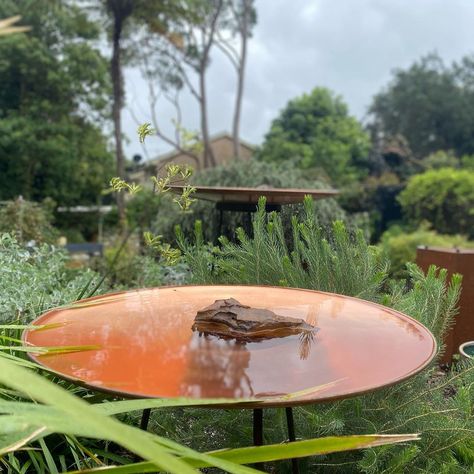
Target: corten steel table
[
  {"x": 146, "y": 348},
  {"x": 236, "y": 199}
]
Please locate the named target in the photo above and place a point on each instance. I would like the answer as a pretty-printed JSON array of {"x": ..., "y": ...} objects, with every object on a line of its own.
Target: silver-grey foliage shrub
[{"x": 35, "y": 279}]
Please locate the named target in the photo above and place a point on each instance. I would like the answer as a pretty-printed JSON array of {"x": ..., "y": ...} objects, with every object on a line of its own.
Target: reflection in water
[
  {"x": 212, "y": 360},
  {"x": 223, "y": 362},
  {"x": 306, "y": 341}
]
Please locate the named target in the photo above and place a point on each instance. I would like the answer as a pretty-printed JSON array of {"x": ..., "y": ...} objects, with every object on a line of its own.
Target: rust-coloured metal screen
[{"x": 455, "y": 261}]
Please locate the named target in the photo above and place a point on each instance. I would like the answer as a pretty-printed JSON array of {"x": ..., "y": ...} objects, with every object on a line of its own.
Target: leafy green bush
[
  {"x": 443, "y": 197},
  {"x": 28, "y": 221},
  {"x": 400, "y": 245},
  {"x": 317, "y": 130},
  {"x": 377, "y": 196},
  {"x": 144, "y": 271},
  {"x": 142, "y": 209},
  {"x": 439, "y": 406},
  {"x": 247, "y": 174},
  {"x": 132, "y": 269},
  {"x": 467, "y": 162},
  {"x": 35, "y": 279},
  {"x": 441, "y": 159}
]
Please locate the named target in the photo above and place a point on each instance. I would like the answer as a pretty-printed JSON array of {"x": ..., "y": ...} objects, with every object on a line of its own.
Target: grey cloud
[{"x": 346, "y": 45}]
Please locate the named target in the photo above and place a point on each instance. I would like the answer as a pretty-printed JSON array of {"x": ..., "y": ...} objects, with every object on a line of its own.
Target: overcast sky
[{"x": 347, "y": 45}]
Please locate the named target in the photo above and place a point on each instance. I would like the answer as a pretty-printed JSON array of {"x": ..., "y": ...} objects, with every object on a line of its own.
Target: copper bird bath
[{"x": 146, "y": 348}]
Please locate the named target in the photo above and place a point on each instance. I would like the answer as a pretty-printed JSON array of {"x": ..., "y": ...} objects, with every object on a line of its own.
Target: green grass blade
[
  {"x": 275, "y": 452},
  {"x": 18, "y": 437},
  {"x": 124, "y": 406},
  {"x": 49, "y": 457},
  {"x": 50, "y": 350},
  {"x": 311, "y": 447},
  {"x": 79, "y": 411},
  {"x": 71, "y": 415}
]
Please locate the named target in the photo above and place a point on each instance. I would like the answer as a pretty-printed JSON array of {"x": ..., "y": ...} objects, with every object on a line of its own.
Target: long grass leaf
[
  {"x": 276, "y": 452},
  {"x": 129, "y": 437}
]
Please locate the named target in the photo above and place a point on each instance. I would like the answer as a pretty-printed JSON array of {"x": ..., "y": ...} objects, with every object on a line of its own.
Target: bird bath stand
[{"x": 245, "y": 200}]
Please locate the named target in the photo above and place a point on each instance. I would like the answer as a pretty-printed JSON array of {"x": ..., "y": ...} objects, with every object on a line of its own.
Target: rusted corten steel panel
[{"x": 455, "y": 261}]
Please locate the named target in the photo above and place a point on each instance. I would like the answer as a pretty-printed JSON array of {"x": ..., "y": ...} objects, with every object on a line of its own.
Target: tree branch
[{"x": 228, "y": 51}]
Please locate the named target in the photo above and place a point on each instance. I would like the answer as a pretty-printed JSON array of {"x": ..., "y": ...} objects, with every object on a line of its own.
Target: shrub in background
[
  {"x": 317, "y": 130},
  {"x": 441, "y": 159},
  {"x": 142, "y": 209},
  {"x": 400, "y": 245},
  {"x": 134, "y": 269},
  {"x": 377, "y": 196},
  {"x": 35, "y": 279},
  {"x": 28, "y": 221},
  {"x": 443, "y": 197}
]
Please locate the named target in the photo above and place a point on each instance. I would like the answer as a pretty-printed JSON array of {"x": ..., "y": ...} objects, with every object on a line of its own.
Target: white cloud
[{"x": 346, "y": 45}]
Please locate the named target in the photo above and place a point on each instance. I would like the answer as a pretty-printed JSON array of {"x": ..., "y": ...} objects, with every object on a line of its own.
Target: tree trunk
[
  {"x": 208, "y": 152},
  {"x": 209, "y": 157},
  {"x": 240, "y": 83},
  {"x": 117, "y": 84}
]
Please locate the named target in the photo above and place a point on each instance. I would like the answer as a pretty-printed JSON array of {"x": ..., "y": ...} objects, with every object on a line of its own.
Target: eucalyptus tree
[
  {"x": 237, "y": 27},
  {"x": 126, "y": 19},
  {"x": 184, "y": 65},
  {"x": 176, "y": 64}
]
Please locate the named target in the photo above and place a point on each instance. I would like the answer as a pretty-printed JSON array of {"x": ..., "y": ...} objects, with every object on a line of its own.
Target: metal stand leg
[
  {"x": 248, "y": 224},
  {"x": 145, "y": 419},
  {"x": 291, "y": 436},
  {"x": 221, "y": 223},
  {"x": 258, "y": 433}
]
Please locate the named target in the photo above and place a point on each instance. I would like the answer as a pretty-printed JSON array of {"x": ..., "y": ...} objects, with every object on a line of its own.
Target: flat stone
[{"x": 230, "y": 319}]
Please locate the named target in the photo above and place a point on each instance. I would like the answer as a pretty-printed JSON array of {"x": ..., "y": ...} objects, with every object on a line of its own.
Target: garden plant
[
  {"x": 406, "y": 178},
  {"x": 71, "y": 434}
]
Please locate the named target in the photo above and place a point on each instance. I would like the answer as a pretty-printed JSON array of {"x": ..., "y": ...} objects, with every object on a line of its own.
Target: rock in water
[{"x": 230, "y": 319}]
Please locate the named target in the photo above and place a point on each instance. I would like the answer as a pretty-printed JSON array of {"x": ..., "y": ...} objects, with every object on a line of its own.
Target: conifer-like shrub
[
  {"x": 317, "y": 256},
  {"x": 438, "y": 405}
]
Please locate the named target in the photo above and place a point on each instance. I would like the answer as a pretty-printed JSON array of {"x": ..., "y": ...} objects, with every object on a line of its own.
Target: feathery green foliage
[
  {"x": 331, "y": 260},
  {"x": 435, "y": 404}
]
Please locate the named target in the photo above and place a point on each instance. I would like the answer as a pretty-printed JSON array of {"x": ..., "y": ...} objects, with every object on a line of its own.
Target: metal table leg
[
  {"x": 258, "y": 433},
  {"x": 145, "y": 419},
  {"x": 291, "y": 436},
  {"x": 220, "y": 224}
]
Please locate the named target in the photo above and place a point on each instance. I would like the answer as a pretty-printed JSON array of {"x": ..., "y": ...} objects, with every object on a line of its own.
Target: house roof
[{"x": 218, "y": 136}]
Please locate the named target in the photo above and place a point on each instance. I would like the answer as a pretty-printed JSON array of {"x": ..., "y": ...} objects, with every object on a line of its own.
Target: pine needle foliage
[
  {"x": 315, "y": 257},
  {"x": 436, "y": 404}
]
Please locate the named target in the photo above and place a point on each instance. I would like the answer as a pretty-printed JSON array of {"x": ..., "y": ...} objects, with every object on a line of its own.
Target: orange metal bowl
[{"x": 145, "y": 346}]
